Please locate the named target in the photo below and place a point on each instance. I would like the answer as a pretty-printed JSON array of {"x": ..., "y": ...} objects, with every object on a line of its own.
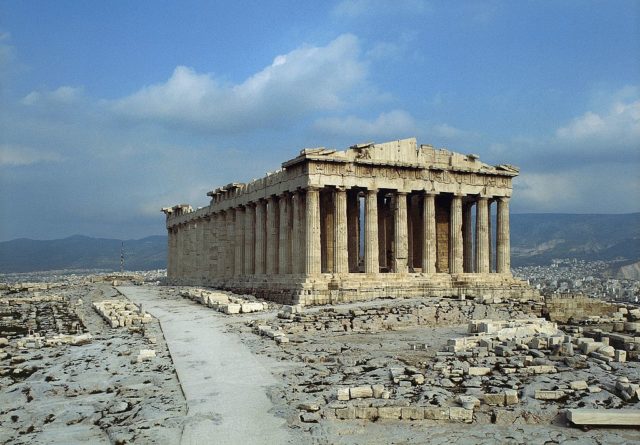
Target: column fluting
[
  {"x": 455, "y": 236},
  {"x": 371, "y": 260}
]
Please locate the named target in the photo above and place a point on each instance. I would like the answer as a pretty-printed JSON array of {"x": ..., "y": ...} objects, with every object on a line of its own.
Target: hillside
[
  {"x": 535, "y": 239},
  {"x": 81, "y": 252},
  {"x": 539, "y": 237}
]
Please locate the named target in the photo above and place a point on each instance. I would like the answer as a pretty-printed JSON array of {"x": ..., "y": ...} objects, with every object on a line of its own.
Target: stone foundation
[{"x": 334, "y": 288}]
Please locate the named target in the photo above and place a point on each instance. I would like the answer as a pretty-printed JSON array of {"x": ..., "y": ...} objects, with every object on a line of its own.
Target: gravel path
[{"x": 223, "y": 382}]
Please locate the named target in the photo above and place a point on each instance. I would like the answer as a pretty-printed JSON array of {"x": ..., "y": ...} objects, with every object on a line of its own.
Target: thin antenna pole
[{"x": 122, "y": 257}]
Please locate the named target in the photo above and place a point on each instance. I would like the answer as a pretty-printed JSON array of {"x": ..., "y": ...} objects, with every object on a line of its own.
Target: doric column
[
  {"x": 467, "y": 237},
  {"x": 353, "y": 217},
  {"x": 231, "y": 235},
  {"x": 221, "y": 233},
  {"x": 371, "y": 260},
  {"x": 249, "y": 239},
  {"x": 188, "y": 249},
  {"x": 239, "y": 242},
  {"x": 503, "y": 263},
  {"x": 400, "y": 235},
  {"x": 297, "y": 233},
  {"x": 261, "y": 232},
  {"x": 429, "y": 245},
  {"x": 284, "y": 242},
  {"x": 482, "y": 235},
  {"x": 204, "y": 249},
  {"x": 455, "y": 236},
  {"x": 273, "y": 235},
  {"x": 170, "y": 252},
  {"x": 492, "y": 252},
  {"x": 312, "y": 232},
  {"x": 340, "y": 249},
  {"x": 180, "y": 251},
  {"x": 198, "y": 248},
  {"x": 213, "y": 248}
]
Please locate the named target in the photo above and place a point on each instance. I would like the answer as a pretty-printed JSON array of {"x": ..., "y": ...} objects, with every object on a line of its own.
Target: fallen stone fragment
[
  {"x": 457, "y": 414},
  {"x": 511, "y": 397},
  {"x": 494, "y": 399},
  {"x": 578, "y": 385},
  {"x": 542, "y": 394},
  {"x": 612, "y": 417},
  {"x": 360, "y": 392}
]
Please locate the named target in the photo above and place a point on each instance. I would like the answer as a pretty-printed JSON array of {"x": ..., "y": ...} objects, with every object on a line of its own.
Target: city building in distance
[{"x": 395, "y": 219}]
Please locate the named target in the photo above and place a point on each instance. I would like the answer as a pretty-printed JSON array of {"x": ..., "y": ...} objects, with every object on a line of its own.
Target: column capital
[
  {"x": 401, "y": 192},
  {"x": 430, "y": 192},
  {"x": 503, "y": 198},
  {"x": 313, "y": 188},
  {"x": 371, "y": 190}
]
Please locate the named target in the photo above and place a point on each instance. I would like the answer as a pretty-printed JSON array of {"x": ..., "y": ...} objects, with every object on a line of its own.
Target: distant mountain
[
  {"x": 81, "y": 252},
  {"x": 536, "y": 238}
]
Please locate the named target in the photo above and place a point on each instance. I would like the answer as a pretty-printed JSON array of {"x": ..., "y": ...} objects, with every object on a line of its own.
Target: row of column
[{"x": 281, "y": 235}]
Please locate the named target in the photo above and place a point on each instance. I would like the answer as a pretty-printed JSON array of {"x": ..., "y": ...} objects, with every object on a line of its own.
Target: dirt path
[{"x": 224, "y": 383}]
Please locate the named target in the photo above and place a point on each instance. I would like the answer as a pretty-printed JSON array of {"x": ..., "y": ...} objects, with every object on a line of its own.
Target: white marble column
[
  {"x": 221, "y": 232},
  {"x": 340, "y": 250},
  {"x": 284, "y": 242},
  {"x": 297, "y": 233},
  {"x": 261, "y": 234},
  {"x": 353, "y": 218},
  {"x": 238, "y": 268},
  {"x": 482, "y": 235},
  {"x": 467, "y": 237},
  {"x": 371, "y": 260},
  {"x": 312, "y": 232},
  {"x": 231, "y": 235},
  {"x": 455, "y": 236},
  {"x": 188, "y": 249},
  {"x": 429, "y": 244},
  {"x": 503, "y": 262},
  {"x": 198, "y": 245},
  {"x": 400, "y": 238},
  {"x": 213, "y": 248},
  {"x": 273, "y": 235},
  {"x": 170, "y": 252},
  {"x": 249, "y": 239},
  {"x": 492, "y": 252}
]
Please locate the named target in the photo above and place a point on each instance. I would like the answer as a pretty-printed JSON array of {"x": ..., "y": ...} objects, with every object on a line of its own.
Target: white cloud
[
  {"x": 61, "y": 95},
  {"x": 599, "y": 188},
  {"x": 395, "y": 124},
  {"x": 17, "y": 155},
  {"x": 620, "y": 124},
  {"x": 305, "y": 80}
]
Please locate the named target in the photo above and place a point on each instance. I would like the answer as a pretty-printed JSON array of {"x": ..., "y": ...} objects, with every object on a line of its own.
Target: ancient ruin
[{"x": 376, "y": 220}]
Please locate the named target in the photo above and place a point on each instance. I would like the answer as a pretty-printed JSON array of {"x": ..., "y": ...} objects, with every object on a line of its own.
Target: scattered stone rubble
[
  {"x": 121, "y": 313},
  {"x": 225, "y": 302},
  {"x": 378, "y": 316},
  {"x": 66, "y": 377},
  {"x": 395, "y": 360}
]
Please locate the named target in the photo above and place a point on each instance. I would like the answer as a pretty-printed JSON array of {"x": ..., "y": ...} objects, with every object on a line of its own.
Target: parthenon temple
[{"x": 376, "y": 220}]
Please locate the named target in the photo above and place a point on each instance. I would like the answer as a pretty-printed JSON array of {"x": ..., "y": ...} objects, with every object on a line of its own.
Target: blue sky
[{"x": 111, "y": 110}]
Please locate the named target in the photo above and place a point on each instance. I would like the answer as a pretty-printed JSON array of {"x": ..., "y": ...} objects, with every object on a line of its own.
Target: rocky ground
[
  {"x": 95, "y": 392},
  {"x": 386, "y": 371}
]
